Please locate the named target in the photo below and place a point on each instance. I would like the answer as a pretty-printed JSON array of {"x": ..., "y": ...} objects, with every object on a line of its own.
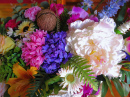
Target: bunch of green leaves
[
  {"x": 122, "y": 87},
  {"x": 18, "y": 12},
  {"x": 44, "y": 84},
  {"x": 63, "y": 20},
  {"x": 2, "y": 26},
  {"x": 82, "y": 71},
  {"x": 8, "y": 60}
]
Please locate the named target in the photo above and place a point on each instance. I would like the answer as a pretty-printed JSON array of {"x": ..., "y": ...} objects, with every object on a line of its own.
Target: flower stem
[{"x": 99, "y": 5}]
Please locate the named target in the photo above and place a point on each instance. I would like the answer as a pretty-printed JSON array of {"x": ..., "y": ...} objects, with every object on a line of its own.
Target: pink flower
[
  {"x": 12, "y": 24},
  {"x": 32, "y": 12},
  {"x": 87, "y": 90},
  {"x": 80, "y": 14},
  {"x": 3, "y": 88},
  {"x": 31, "y": 50},
  {"x": 128, "y": 11},
  {"x": 58, "y": 7}
]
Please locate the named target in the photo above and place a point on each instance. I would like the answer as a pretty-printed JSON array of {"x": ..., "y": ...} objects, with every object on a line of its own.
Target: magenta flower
[
  {"x": 80, "y": 14},
  {"x": 32, "y": 49},
  {"x": 128, "y": 11},
  {"x": 73, "y": 18},
  {"x": 77, "y": 10},
  {"x": 87, "y": 90},
  {"x": 57, "y": 7},
  {"x": 92, "y": 17},
  {"x": 12, "y": 24},
  {"x": 32, "y": 12}
]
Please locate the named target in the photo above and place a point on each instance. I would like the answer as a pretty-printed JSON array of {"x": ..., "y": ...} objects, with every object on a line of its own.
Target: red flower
[{"x": 12, "y": 24}]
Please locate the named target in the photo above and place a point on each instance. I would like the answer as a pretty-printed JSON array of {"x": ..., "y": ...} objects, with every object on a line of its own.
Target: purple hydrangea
[{"x": 54, "y": 51}]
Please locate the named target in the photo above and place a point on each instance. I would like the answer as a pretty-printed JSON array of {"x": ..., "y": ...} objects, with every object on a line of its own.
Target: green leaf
[
  {"x": 24, "y": 5},
  {"x": 123, "y": 75},
  {"x": 21, "y": 11},
  {"x": 104, "y": 89},
  {"x": 128, "y": 76},
  {"x": 18, "y": 19},
  {"x": 118, "y": 87},
  {"x": 121, "y": 15},
  {"x": 14, "y": 16},
  {"x": 109, "y": 84},
  {"x": 18, "y": 8},
  {"x": 45, "y": 4},
  {"x": 19, "y": 1},
  {"x": 125, "y": 88}
]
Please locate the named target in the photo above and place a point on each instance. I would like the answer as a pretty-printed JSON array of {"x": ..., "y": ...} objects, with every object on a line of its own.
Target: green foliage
[
  {"x": 118, "y": 86},
  {"x": 44, "y": 84},
  {"x": 121, "y": 15},
  {"x": 104, "y": 88},
  {"x": 126, "y": 88},
  {"x": 8, "y": 60},
  {"x": 2, "y": 26},
  {"x": 44, "y": 4},
  {"x": 82, "y": 70},
  {"x": 19, "y": 1},
  {"x": 63, "y": 18},
  {"x": 109, "y": 84},
  {"x": 18, "y": 13}
]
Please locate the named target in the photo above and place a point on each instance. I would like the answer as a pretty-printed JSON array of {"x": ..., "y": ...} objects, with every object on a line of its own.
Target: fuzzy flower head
[
  {"x": 70, "y": 80},
  {"x": 87, "y": 90},
  {"x": 12, "y": 24},
  {"x": 32, "y": 12},
  {"x": 59, "y": 8},
  {"x": 31, "y": 50},
  {"x": 54, "y": 51},
  {"x": 98, "y": 43},
  {"x": 3, "y": 88}
]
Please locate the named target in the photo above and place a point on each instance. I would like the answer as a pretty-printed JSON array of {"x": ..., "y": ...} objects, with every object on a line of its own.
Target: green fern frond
[
  {"x": 63, "y": 18},
  {"x": 82, "y": 70}
]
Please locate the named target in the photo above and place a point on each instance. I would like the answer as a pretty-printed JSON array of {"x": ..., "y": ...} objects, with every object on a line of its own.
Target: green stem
[{"x": 99, "y": 5}]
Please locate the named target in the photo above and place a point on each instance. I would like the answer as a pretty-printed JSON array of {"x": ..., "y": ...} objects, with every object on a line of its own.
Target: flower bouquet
[{"x": 47, "y": 49}]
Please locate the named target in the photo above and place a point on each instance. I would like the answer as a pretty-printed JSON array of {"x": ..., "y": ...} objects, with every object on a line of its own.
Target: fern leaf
[{"x": 83, "y": 71}]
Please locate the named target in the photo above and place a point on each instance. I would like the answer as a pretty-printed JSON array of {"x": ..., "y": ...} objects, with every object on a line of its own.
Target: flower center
[
  {"x": 70, "y": 78},
  {"x": 25, "y": 28}
]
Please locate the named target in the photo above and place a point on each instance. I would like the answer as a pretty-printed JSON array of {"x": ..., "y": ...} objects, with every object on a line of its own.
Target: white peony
[{"x": 98, "y": 43}]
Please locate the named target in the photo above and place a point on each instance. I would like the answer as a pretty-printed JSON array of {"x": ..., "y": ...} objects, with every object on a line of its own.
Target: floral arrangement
[{"x": 46, "y": 49}]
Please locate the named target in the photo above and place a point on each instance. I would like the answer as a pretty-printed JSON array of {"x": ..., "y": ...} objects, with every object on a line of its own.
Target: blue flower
[
  {"x": 54, "y": 51},
  {"x": 111, "y": 8},
  {"x": 86, "y": 4}
]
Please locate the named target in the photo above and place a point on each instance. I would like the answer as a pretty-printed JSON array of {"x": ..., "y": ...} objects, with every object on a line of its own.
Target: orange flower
[{"x": 20, "y": 84}]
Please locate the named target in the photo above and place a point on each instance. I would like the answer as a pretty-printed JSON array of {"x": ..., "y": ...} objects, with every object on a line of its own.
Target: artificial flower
[
  {"x": 54, "y": 51},
  {"x": 128, "y": 11},
  {"x": 32, "y": 12},
  {"x": 78, "y": 13},
  {"x": 98, "y": 43},
  {"x": 57, "y": 8},
  {"x": 87, "y": 90},
  {"x": 10, "y": 32},
  {"x": 19, "y": 85},
  {"x": 3, "y": 88},
  {"x": 24, "y": 28},
  {"x": 12, "y": 24},
  {"x": 70, "y": 80},
  {"x": 86, "y": 4},
  {"x": 32, "y": 49},
  {"x": 6, "y": 44}
]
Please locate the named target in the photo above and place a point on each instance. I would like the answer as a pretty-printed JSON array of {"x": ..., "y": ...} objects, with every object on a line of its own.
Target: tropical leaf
[{"x": 104, "y": 88}]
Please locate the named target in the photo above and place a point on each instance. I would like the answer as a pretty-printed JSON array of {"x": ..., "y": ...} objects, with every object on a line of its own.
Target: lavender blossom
[
  {"x": 112, "y": 8},
  {"x": 54, "y": 51},
  {"x": 86, "y": 4}
]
